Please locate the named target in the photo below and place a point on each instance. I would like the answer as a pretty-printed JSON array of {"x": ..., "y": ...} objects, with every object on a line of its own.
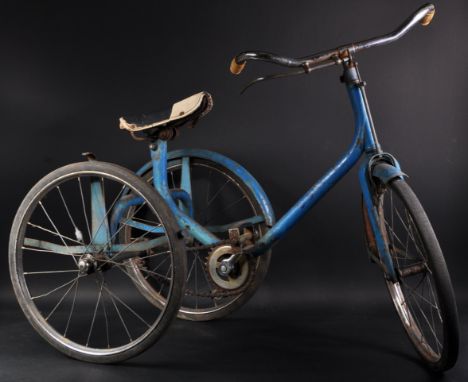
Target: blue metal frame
[
  {"x": 364, "y": 142},
  {"x": 176, "y": 157},
  {"x": 375, "y": 165}
]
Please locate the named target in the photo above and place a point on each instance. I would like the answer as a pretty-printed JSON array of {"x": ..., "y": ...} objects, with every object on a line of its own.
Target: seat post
[{"x": 158, "y": 152}]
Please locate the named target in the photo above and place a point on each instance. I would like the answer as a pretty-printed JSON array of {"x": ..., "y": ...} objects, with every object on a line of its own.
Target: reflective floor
[{"x": 327, "y": 339}]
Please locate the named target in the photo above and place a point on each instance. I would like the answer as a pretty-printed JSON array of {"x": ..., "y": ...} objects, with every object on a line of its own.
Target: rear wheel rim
[
  {"x": 117, "y": 317},
  {"x": 197, "y": 277}
]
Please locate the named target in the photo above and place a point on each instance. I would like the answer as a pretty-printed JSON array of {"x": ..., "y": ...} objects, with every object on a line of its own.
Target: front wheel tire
[{"x": 423, "y": 296}]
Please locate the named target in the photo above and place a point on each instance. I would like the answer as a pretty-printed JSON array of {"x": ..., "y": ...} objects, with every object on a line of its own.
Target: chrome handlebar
[{"x": 423, "y": 16}]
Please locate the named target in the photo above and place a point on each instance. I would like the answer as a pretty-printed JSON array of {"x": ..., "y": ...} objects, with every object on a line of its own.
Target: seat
[{"x": 189, "y": 110}]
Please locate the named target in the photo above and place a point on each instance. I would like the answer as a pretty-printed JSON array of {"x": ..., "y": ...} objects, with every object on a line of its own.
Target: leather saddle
[{"x": 165, "y": 123}]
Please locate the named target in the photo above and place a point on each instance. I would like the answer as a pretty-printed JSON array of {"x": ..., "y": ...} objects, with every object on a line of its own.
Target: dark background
[{"x": 68, "y": 70}]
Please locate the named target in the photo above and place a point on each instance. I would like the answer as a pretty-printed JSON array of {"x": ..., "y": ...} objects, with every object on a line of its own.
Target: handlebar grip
[
  {"x": 426, "y": 20},
  {"x": 235, "y": 67}
]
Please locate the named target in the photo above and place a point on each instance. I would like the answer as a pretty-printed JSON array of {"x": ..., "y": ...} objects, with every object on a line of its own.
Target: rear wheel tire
[
  {"x": 98, "y": 316},
  {"x": 219, "y": 197}
]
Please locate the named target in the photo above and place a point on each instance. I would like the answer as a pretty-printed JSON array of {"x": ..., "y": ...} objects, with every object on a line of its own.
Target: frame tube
[{"x": 363, "y": 137}]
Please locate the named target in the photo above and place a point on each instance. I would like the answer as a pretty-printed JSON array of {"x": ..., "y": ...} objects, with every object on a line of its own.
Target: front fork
[{"x": 383, "y": 168}]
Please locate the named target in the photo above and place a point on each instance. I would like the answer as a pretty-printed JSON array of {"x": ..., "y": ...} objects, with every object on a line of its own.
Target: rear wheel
[
  {"x": 219, "y": 197},
  {"x": 423, "y": 296},
  {"x": 72, "y": 290}
]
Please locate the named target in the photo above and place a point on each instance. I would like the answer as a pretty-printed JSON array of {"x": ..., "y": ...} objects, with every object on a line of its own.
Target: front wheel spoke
[
  {"x": 409, "y": 232},
  {"x": 394, "y": 235},
  {"x": 414, "y": 293},
  {"x": 435, "y": 299},
  {"x": 434, "y": 325},
  {"x": 432, "y": 330},
  {"x": 415, "y": 318}
]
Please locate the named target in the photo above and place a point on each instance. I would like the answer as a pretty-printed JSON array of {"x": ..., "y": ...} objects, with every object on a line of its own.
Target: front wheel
[{"x": 423, "y": 296}]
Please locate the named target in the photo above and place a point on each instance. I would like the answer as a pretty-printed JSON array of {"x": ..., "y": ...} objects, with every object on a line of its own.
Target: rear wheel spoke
[{"x": 89, "y": 310}]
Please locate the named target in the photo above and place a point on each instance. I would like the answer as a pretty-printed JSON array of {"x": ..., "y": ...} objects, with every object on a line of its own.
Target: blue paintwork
[
  {"x": 120, "y": 208},
  {"x": 236, "y": 168},
  {"x": 185, "y": 201},
  {"x": 99, "y": 223},
  {"x": 145, "y": 227},
  {"x": 386, "y": 172},
  {"x": 159, "y": 161},
  {"x": 238, "y": 224},
  {"x": 363, "y": 142},
  {"x": 373, "y": 219},
  {"x": 382, "y": 165},
  {"x": 96, "y": 248},
  {"x": 186, "y": 184}
]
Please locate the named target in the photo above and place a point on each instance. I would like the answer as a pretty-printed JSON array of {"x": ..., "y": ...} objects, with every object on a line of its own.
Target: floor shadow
[{"x": 323, "y": 343}]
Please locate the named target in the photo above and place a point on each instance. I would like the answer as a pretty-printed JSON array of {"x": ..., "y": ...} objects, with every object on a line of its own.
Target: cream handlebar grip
[{"x": 428, "y": 18}]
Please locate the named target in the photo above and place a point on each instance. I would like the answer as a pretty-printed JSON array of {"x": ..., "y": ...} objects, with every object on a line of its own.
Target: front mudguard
[
  {"x": 377, "y": 171},
  {"x": 231, "y": 165}
]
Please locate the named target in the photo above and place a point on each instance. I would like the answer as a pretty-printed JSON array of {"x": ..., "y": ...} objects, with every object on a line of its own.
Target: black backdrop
[{"x": 69, "y": 70}]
